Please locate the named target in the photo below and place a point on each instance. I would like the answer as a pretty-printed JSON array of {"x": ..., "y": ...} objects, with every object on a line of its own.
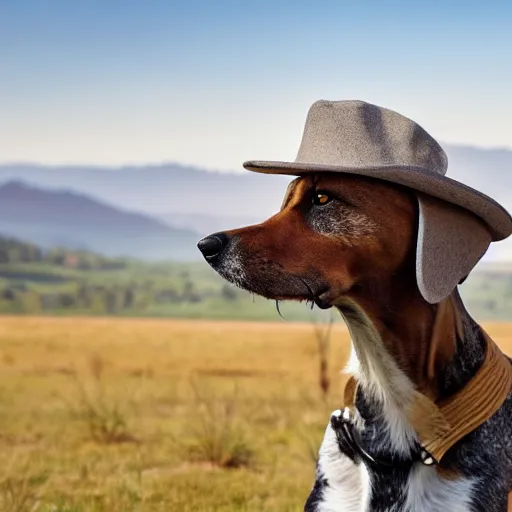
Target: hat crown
[{"x": 356, "y": 134}]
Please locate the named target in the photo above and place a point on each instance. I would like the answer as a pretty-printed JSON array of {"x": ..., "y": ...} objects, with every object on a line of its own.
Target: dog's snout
[{"x": 212, "y": 245}]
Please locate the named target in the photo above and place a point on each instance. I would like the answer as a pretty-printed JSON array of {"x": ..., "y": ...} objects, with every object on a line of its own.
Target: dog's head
[{"x": 339, "y": 236}]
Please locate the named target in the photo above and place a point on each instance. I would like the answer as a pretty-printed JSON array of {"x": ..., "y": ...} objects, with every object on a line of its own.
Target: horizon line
[{"x": 191, "y": 166}]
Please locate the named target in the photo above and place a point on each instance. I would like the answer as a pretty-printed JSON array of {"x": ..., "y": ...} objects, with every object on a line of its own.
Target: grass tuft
[
  {"x": 104, "y": 417},
  {"x": 20, "y": 493},
  {"x": 217, "y": 434}
]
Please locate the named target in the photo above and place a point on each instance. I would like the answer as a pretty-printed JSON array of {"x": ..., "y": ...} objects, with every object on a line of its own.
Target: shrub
[
  {"x": 103, "y": 416},
  {"x": 217, "y": 434},
  {"x": 21, "y": 494}
]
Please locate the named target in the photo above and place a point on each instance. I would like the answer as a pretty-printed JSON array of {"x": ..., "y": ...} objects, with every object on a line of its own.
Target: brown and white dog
[{"x": 349, "y": 242}]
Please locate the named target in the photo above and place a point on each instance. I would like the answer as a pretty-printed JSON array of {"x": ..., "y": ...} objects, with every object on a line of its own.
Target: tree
[
  {"x": 67, "y": 300},
  {"x": 323, "y": 339},
  {"x": 97, "y": 304},
  {"x": 31, "y": 302},
  {"x": 189, "y": 293},
  {"x": 228, "y": 292},
  {"x": 129, "y": 298}
]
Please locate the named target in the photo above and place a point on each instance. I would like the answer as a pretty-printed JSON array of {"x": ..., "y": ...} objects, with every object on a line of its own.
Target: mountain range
[
  {"x": 184, "y": 203},
  {"x": 62, "y": 218},
  {"x": 160, "y": 189}
]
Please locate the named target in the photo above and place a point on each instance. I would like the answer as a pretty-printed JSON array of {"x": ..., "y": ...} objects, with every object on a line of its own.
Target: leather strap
[{"x": 440, "y": 425}]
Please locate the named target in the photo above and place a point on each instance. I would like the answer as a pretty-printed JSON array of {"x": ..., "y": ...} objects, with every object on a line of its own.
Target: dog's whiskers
[
  {"x": 278, "y": 310},
  {"x": 310, "y": 301},
  {"x": 310, "y": 291}
]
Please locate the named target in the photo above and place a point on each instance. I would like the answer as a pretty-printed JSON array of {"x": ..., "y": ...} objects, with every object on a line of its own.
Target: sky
[{"x": 214, "y": 83}]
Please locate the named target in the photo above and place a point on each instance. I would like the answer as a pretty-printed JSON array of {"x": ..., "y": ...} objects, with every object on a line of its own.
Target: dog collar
[{"x": 440, "y": 425}]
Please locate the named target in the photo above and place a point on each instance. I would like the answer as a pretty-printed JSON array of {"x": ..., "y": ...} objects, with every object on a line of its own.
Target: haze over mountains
[
  {"x": 56, "y": 218},
  {"x": 160, "y": 189},
  {"x": 172, "y": 196}
]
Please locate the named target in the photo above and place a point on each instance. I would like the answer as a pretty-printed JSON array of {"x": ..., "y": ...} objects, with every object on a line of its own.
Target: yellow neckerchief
[{"x": 440, "y": 425}]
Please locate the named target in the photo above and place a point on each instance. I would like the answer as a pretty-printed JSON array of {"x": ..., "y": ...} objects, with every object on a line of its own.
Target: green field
[{"x": 63, "y": 282}]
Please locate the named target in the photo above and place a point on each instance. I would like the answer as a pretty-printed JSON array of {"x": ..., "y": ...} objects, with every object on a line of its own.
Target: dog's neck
[
  {"x": 435, "y": 348},
  {"x": 402, "y": 344}
]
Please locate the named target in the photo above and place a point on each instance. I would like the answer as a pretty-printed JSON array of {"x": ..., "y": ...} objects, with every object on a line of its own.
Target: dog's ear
[
  {"x": 450, "y": 243},
  {"x": 289, "y": 192}
]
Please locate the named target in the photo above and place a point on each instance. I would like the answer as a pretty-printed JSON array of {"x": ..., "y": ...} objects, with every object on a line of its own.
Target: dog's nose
[{"x": 212, "y": 245}]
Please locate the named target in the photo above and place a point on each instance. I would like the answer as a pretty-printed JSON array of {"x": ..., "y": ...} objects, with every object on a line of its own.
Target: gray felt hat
[{"x": 456, "y": 224}]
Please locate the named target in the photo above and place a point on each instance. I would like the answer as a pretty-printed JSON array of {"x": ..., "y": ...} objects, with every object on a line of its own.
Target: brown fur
[{"x": 373, "y": 268}]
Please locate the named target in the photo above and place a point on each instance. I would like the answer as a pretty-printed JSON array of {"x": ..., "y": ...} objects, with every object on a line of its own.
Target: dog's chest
[
  {"x": 415, "y": 488},
  {"x": 421, "y": 490},
  {"x": 357, "y": 487}
]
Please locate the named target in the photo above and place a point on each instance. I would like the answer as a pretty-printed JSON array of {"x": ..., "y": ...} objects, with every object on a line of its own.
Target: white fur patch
[
  {"x": 428, "y": 492},
  {"x": 382, "y": 380},
  {"x": 334, "y": 219},
  {"x": 231, "y": 266},
  {"x": 348, "y": 483}
]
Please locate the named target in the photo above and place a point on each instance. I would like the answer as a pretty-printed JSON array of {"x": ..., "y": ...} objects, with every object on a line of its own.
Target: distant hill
[
  {"x": 59, "y": 217},
  {"x": 174, "y": 188},
  {"x": 162, "y": 189},
  {"x": 206, "y": 201}
]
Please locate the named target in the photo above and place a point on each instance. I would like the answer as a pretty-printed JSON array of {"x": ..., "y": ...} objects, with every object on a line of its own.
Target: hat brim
[{"x": 492, "y": 213}]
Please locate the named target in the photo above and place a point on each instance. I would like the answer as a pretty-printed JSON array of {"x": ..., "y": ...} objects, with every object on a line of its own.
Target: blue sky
[{"x": 213, "y": 83}]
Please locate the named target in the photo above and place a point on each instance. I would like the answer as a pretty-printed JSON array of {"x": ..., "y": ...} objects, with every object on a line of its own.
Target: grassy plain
[{"x": 121, "y": 415}]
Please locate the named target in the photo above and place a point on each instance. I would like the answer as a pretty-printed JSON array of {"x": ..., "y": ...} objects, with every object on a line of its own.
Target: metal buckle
[{"x": 427, "y": 458}]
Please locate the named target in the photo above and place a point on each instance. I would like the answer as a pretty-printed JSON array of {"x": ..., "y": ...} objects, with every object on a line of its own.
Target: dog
[{"x": 352, "y": 242}]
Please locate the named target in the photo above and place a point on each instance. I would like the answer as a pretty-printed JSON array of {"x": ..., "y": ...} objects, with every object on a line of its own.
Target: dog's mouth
[
  {"x": 269, "y": 279},
  {"x": 292, "y": 288},
  {"x": 320, "y": 297}
]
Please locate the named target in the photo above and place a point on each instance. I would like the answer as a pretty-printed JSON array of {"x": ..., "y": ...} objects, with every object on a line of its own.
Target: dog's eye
[{"x": 321, "y": 198}]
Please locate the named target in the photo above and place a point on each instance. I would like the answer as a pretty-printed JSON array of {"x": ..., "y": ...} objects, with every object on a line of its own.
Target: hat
[{"x": 456, "y": 223}]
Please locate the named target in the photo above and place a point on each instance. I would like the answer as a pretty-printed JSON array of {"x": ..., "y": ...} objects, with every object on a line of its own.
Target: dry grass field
[{"x": 120, "y": 415}]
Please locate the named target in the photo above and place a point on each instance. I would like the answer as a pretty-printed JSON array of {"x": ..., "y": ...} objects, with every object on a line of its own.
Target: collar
[{"x": 440, "y": 425}]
